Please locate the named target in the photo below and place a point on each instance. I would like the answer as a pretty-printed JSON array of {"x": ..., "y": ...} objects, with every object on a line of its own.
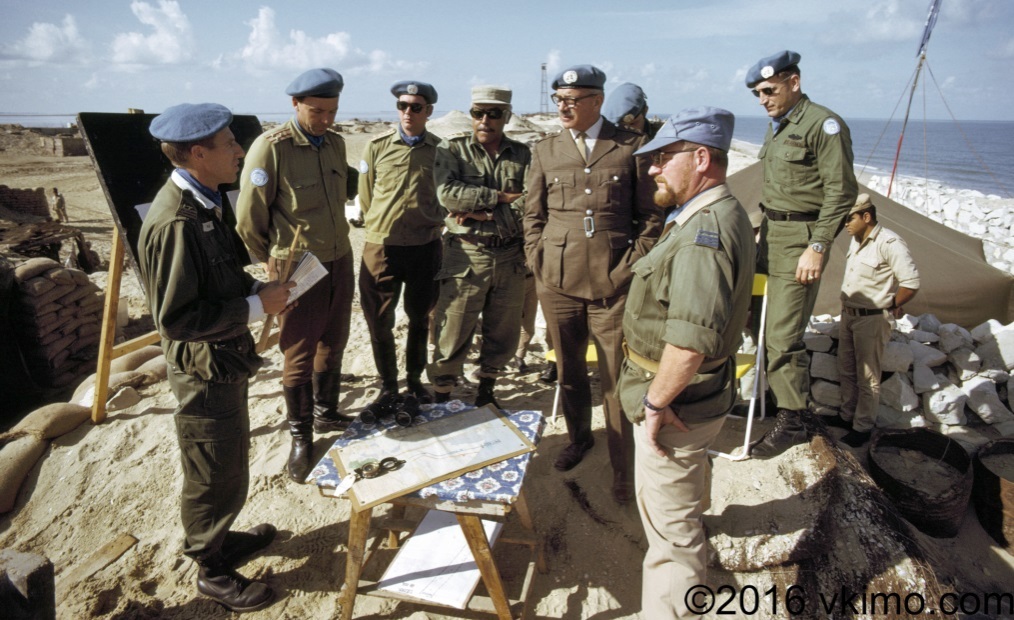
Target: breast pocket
[
  {"x": 792, "y": 163},
  {"x": 616, "y": 185},
  {"x": 308, "y": 192},
  {"x": 560, "y": 187}
]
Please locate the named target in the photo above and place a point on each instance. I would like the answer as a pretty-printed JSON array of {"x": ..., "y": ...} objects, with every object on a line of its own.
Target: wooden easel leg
[
  {"x": 521, "y": 505},
  {"x": 479, "y": 544},
  {"x": 359, "y": 528},
  {"x": 108, "y": 329}
]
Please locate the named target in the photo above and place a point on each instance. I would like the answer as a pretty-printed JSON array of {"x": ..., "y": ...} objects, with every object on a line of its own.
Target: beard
[{"x": 664, "y": 196}]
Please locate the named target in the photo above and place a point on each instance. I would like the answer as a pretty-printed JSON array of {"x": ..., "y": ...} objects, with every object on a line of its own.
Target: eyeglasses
[
  {"x": 767, "y": 91},
  {"x": 570, "y": 102},
  {"x": 493, "y": 113},
  {"x": 415, "y": 107},
  {"x": 661, "y": 158}
]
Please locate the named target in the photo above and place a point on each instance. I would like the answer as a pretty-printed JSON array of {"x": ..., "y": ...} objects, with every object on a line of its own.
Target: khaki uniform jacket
[
  {"x": 468, "y": 180},
  {"x": 397, "y": 192},
  {"x": 196, "y": 289},
  {"x": 875, "y": 268},
  {"x": 586, "y": 223},
  {"x": 693, "y": 291},
  {"x": 288, "y": 182},
  {"x": 808, "y": 168}
]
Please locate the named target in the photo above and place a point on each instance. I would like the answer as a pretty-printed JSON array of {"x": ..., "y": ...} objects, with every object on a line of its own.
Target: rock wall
[{"x": 25, "y": 201}]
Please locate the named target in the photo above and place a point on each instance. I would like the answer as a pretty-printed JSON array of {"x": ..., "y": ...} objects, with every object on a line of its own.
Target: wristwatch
[{"x": 817, "y": 247}]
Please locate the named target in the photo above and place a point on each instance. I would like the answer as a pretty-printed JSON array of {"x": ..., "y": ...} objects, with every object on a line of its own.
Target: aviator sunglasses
[
  {"x": 493, "y": 113},
  {"x": 415, "y": 107},
  {"x": 767, "y": 91}
]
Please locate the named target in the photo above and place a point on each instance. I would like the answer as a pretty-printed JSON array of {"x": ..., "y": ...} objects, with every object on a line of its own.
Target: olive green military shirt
[
  {"x": 692, "y": 290},
  {"x": 397, "y": 193},
  {"x": 469, "y": 180},
  {"x": 808, "y": 168},
  {"x": 288, "y": 182}
]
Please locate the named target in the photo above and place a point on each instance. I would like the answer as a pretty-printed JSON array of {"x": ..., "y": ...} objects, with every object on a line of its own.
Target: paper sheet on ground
[
  {"x": 436, "y": 564},
  {"x": 432, "y": 452}
]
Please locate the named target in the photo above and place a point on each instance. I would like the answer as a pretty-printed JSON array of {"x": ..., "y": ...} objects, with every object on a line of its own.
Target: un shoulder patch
[
  {"x": 831, "y": 127},
  {"x": 259, "y": 177},
  {"x": 708, "y": 238}
]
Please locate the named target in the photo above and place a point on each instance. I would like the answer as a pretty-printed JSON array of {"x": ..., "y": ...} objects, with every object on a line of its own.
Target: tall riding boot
[
  {"x": 485, "y": 393},
  {"x": 219, "y": 582},
  {"x": 385, "y": 356},
  {"x": 326, "y": 416},
  {"x": 299, "y": 403},
  {"x": 788, "y": 431}
]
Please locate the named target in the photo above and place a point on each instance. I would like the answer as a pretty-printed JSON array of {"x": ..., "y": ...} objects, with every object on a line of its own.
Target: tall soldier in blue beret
[
  {"x": 589, "y": 215},
  {"x": 809, "y": 187},
  {"x": 403, "y": 220},
  {"x": 683, "y": 325},
  {"x": 202, "y": 301},
  {"x": 297, "y": 175}
]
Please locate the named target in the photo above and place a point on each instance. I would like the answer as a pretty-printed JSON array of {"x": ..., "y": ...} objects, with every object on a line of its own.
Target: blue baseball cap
[
  {"x": 701, "y": 125},
  {"x": 580, "y": 76},
  {"x": 625, "y": 103},
  {"x": 767, "y": 67},
  {"x": 408, "y": 87},
  {"x": 326, "y": 83},
  {"x": 190, "y": 122}
]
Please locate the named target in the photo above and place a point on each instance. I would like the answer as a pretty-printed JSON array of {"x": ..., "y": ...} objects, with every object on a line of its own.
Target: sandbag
[
  {"x": 17, "y": 458},
  {"x": 132, "y": 360},
  {"x": 85, "y": 393},
  {"x": 50, "y": 296},
  {"x": 156, "y": 369},
  {"x": 79, "y": 292},
  {"x": 37, "y": 286},
  {"x": 80, "y": 277},
  {"x": 33, "y": 267},
  {"x": 60, "y": 275},
  {"x": 52, "y": 420}
]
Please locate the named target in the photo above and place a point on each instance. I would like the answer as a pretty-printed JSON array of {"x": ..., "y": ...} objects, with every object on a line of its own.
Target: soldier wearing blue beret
[
  {"x": 403, "y": 220},
  {"x": 627, "y": 106},
  {"x": 297, "y": 178},
  {"x": 678, "y": 380},
  {"x": 809, "y": 187},
  {"x": 202, "y": 302},
  {"x": 589, "y": 216}
]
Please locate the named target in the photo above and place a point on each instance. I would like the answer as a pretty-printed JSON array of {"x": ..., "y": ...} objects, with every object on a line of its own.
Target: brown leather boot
[
  {"x": 299, "y": 406},
  {"x": 326, "y": 416},
  {"x": 219, "y": 582},
  {"x": 788, "y": 431}
]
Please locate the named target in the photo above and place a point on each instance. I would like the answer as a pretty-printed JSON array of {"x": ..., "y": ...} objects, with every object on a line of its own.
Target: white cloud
[
  {"x": 172, "y": 41},
  {"x": 553, "y": 63},
  {"x": 648, "y": 70},
  {"x": 1003, "y": 51},
  {"x": 50, "y": 43}
]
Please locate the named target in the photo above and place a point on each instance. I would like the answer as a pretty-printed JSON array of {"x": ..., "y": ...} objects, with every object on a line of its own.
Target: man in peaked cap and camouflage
[
  {"x": 480, "y": 179},
  {"x": 297, "y": 175},
  {"x": 202, "y": 302},
  {"x": 809, "y": 187}
]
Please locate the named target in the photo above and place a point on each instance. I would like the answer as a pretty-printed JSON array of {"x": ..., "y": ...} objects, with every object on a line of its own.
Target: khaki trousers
[
  {"x": 861, "y": 343},
  {"x": 528, "y": 314},
  {"x": 673, "y": 492}
]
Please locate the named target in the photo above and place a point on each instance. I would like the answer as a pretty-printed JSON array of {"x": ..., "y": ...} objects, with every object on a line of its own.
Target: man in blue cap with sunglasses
[
  {"x": 809, "y": 187},
  {"x": 682, "y": 326}
]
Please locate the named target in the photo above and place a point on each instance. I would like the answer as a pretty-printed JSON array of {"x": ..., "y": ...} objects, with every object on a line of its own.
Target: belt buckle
[{"x": 589, "y": 226}]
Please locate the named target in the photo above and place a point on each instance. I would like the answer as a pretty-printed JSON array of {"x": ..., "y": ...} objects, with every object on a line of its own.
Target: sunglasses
[
  {"x": 415, "y": 107},
  {"x": 570, "y": 102},
  {"x": 493, "y": 113},
  {"x": 767, "y": 91},
  {"x": 661, "y": 158}
]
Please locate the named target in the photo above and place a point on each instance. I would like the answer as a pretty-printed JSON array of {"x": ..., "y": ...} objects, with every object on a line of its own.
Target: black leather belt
[
  {"x": 782, "y": 216},
  {"x": 488, "y": 241},
  {"x": 861, "y": 311}
]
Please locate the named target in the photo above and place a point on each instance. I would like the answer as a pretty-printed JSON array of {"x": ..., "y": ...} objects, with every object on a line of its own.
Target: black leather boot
[
  {"x": 788, "y": 431},
  {"x": 238, "y": 546},
  {"x": 485, "y": 394},
  {"x": 326, "y": 416},
  {"x": 416, "y": 388},
  {"x": 219, "y": 582},
  {"x": 385, "y": 406},
  {"x": 549, "y": 374},
  {"x": 299, "y": 403}
]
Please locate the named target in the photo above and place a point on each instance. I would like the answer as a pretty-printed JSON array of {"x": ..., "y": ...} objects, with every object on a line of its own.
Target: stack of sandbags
[{"x": 58, "y": 316}]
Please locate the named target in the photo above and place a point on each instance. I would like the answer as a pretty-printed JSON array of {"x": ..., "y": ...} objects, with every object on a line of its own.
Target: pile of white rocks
[
  {"x": 938, "y": 375},
  {"x": 986, "y": 217}
]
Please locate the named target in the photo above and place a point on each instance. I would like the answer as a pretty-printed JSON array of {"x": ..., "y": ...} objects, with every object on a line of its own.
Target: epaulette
[
  {"x": 544, "y": 138},
  {"x": 282, "y": 133},
  {"x": 334, "y": 131},
  {"x": 386, "y": 134},
  {"x": 186, "y": 209},
  {"x": 459, "y": 135}
]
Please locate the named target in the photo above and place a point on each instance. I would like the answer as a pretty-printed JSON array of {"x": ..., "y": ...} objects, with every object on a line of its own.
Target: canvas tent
[{"x": 957, "y": 284}]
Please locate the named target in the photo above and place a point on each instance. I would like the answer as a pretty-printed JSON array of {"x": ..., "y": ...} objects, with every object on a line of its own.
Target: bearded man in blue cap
[
  {"x": 682, "y": 326},
  {"x": 202, "y": 302}
]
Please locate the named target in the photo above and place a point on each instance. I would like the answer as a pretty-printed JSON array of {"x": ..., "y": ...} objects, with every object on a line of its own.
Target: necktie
[
  {"x": 582, "y": 146},
  {"x": 218, "y": 213}
]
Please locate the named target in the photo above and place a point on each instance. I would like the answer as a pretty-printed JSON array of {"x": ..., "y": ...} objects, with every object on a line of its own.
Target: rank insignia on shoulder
[
  {"x": 707, "y": 237},
  {"x": 831, "y": 127}
]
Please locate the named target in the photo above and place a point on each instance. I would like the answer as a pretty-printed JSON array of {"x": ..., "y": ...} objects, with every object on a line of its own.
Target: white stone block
[
  {"x": 826, "y": 393},
  {"x": 906, "y": 323},
  {"x": 897, "y": 357},
  {"x": 817, "y": 342},
  {"x": 1006, "y": 429},
  {"x": 965, "y": 361},
  {"x": 945, "y": 405},
  {"x": 824, "y": 366},
  {"x": 985, "y": 402},
  {"x": 986, "y": 331},
  {"x": 953, "y": 336},
  {"x": 922, "y": 336},
  {"x": 897, "y": 393},
  {"x": 999, "y": 352},
  {"x": 923, "y": 379},
  {"x": 929, "y": 322},
  {"x": 927, "y": 355},
  {"x": 827, "y": 328},
  {"x": 890, "y": 418}
]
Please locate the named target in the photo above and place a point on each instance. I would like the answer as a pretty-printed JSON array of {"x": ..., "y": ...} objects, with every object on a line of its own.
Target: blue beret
[
  {"x": 627, "y": 100},
  {"x": 580, "y": 76},
  {"x": 408, "y": 87},
  {"x": 190, "y": 122},
  {"x": 326, "y": 83},
  {"x": 702, "y": 125},
  {"x": 767, "y": 67}
]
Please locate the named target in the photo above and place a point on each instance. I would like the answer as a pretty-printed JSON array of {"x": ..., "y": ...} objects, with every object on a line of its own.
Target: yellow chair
[
  {"x": 591, "y": 358},
  {"x": 746, "y": 361}
]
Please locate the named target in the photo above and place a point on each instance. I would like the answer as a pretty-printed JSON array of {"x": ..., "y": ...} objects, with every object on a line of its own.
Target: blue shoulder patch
[{"x": 708, "y": 238}]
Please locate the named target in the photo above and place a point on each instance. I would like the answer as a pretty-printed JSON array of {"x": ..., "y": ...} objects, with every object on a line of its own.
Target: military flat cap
[
  {"x": 326, "y": 83},
  {"x": 624, "y": 104},
  {"x": 767, "y": 67},
  {"x": 701, "y": 125},
  {"x": 408, "y": 87},
  {"x": 863, "y": 203},
  {"x": 580, "y": 76},
  {"x": 493, "y": 95},
  {"x": 190, "y": 122}
]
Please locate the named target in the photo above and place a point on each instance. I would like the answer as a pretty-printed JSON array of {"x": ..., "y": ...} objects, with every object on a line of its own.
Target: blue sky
[{"x": 63, "y": 56}]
